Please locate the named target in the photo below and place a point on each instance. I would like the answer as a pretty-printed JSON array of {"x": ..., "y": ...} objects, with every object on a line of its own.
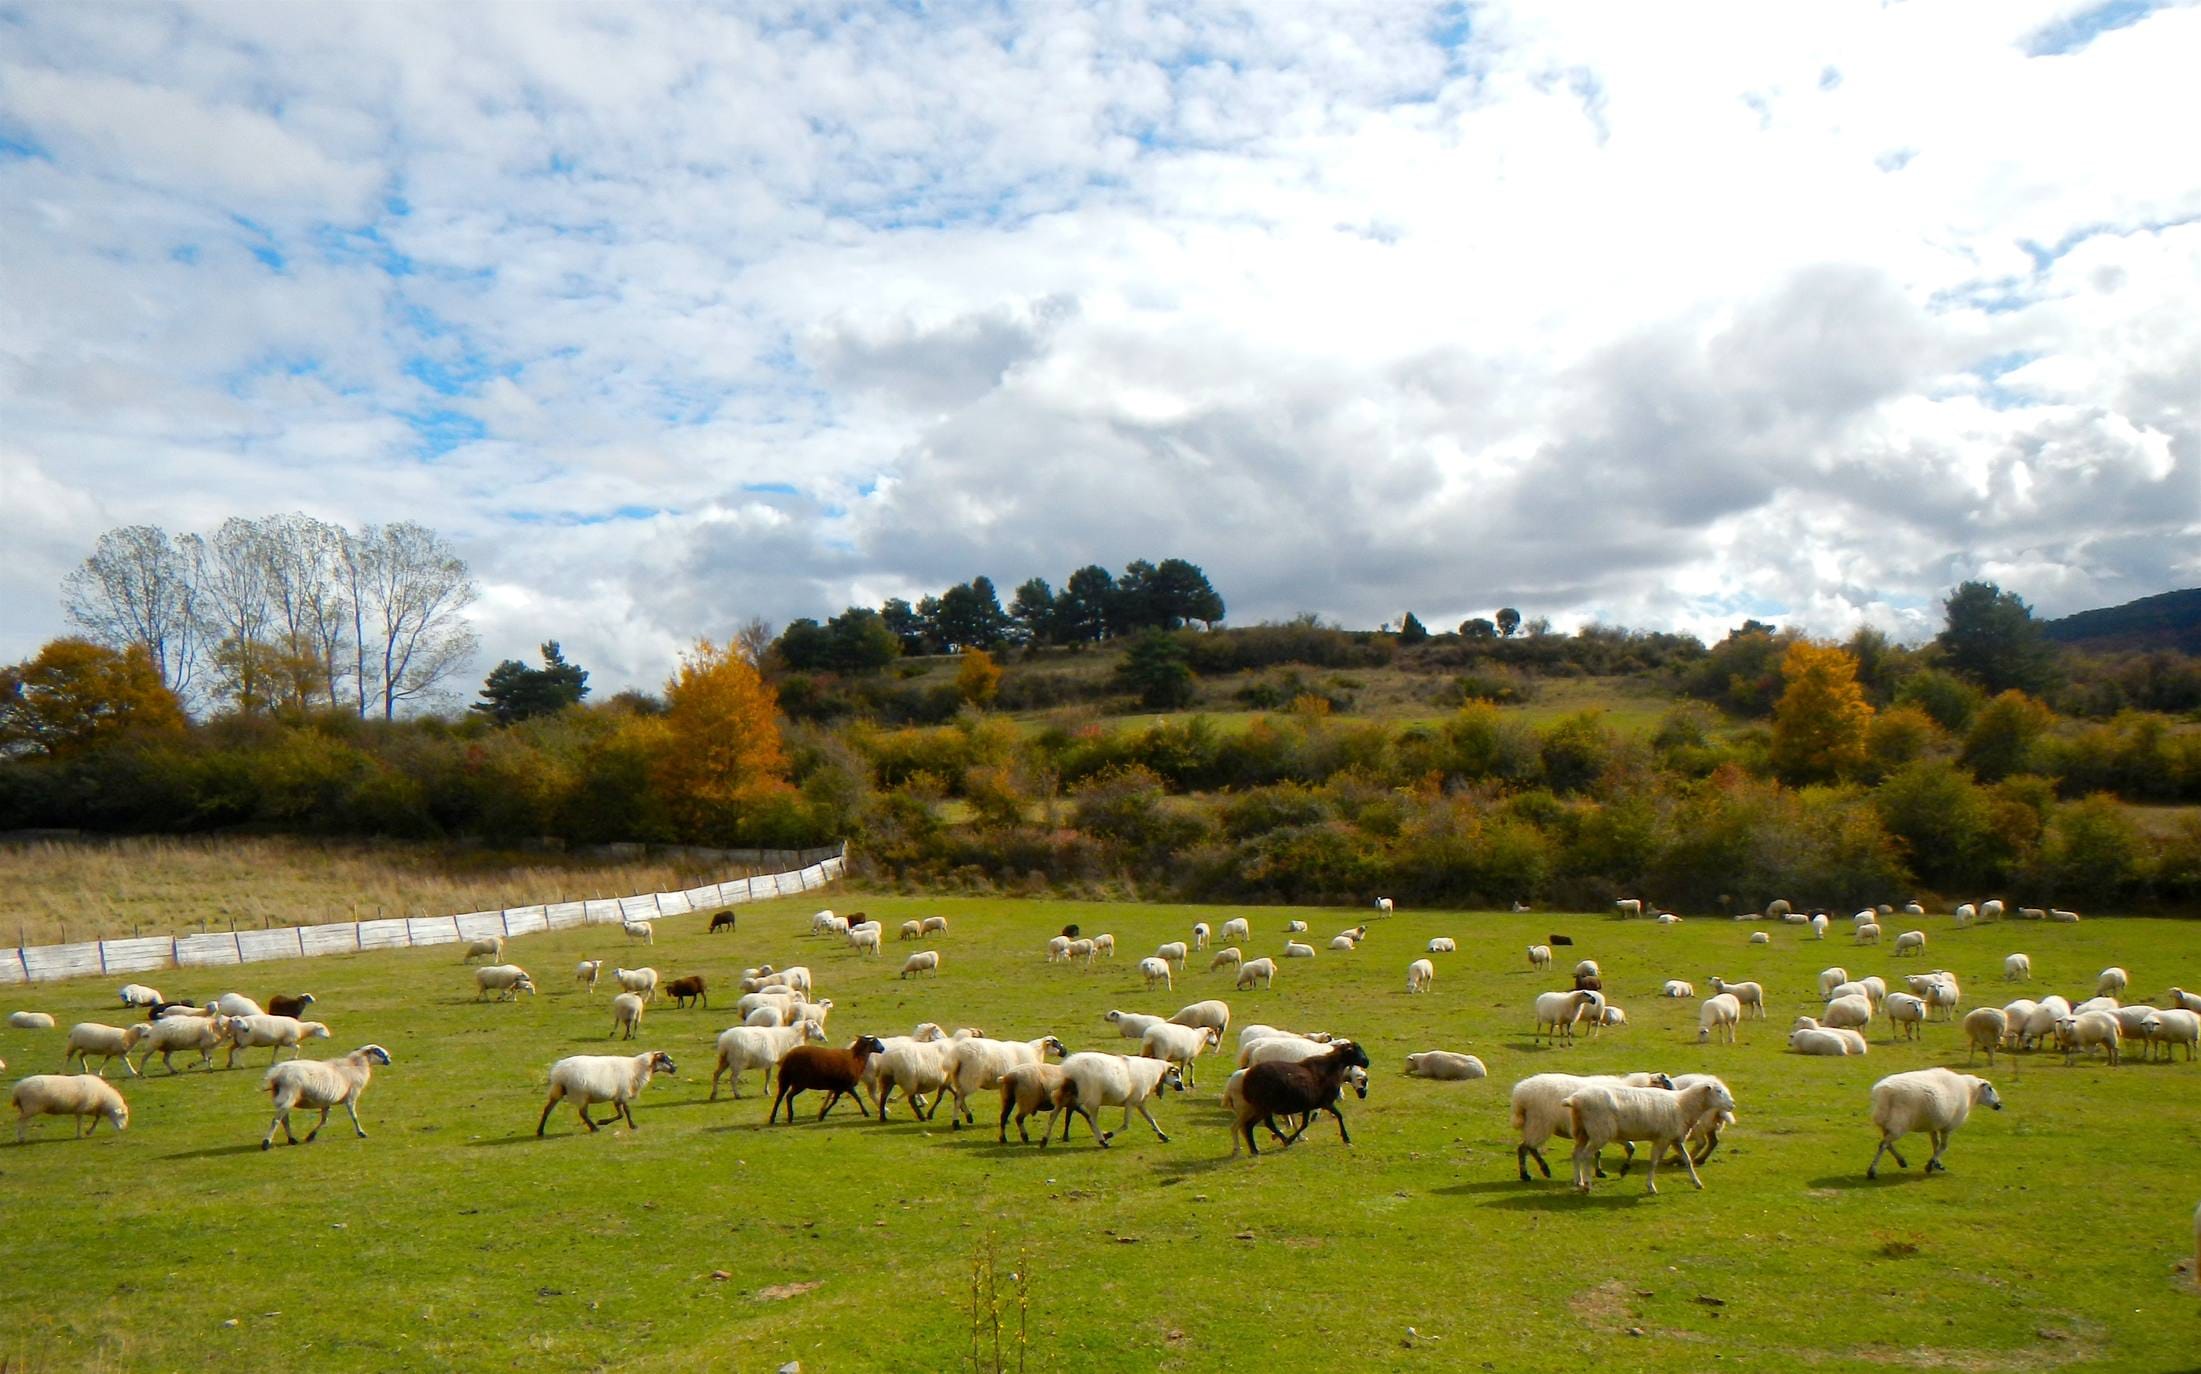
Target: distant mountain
[{"x": 2169, "y": 621}]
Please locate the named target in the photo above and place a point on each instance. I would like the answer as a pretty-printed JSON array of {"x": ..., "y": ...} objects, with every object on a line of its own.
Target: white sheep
[
  {"x": 73, "y": 1095},
  {"x": 2170, "y": 1028},
  {"x": 765, "y": 997},
  {"x": 1668, "y": 918},
  {"x": 2111, "y": 982},
  {"x": 642, "y": 982},
  {"x": 1819, "y": 926},
  {"x": 1721, "y": 1013},
  {"x": 864, "y": 939},
  {"x": 1200, "y": 934},
  {"x": 1985, "y": 1028},
  {"x": 1588, "y": 968},
  {"x": 2032, "y": 913},
  {"x": 1991, "y": 910},
  {"x": 2089, "y": 1031},
  {"x": 614, "y": 1078},
  {"x": 323, "y": 1083},
  {"x": 1155, "y": 970},
  {"x": 2069, "y": 918},
  {"x": 1295, "y": 950},
  {"x": 1830, "y": 979},
  {"x": 1942, "y": 995},
  {"x": 1131, "y": 1024},
  {"x": 741, "y": 1048},
  {"x": 490, "y": 947},
  {"x": 1420, "y": 975},
  {"x": 201, "y": 1033},
  {"x": 1261, "y": 971},
  {"x": 1910, "y": 942},
  {"x": 924, "y": 961},
  {"x": 1868, "y": 933},
  {"x": 1445, "y": 1065},
  {"x": 1175, "y": 952},
  {"x": 1851, "y": 1011},
  {"x": 1180, "y": 1045},
  {"x": 626, "y": 1015},
  {"x": 237, "y": 1004},
  {"x": 1759, "y": 937},
  {"x": 2179, "y": 999},
  {"x": 1109, "y": 1080},
  {"x": 586, "y": 973},
  {"x": 821, "y": 920},
  {"x": 1539, "y": 957},
  {"x": 1965, "y": 914},
  {"x": 1677, "y": 987},
  {"x": 639, "y": 930},
  {"x": 1104, "y": 946},
  {"x": 1539, "y": 1111},
  {"x": 1906, "y": 1014},
  {"x": 271, "y": 1033},
  {"x": 1560, "y": 1011},
  {"x": 139, "y": 995},
  {"x": 1608, "y": 1015},
  {"x": 1936, "y": 1101},
  {"x": 1352, "y": 936},
  {"x": 87, "y": 1038},
  {"x": 1627, "y": 907},
  {"x": 978, "y": 1063},
  {"x": 508, "y": 981},
  {"x": 919, "y": 1068},
  {"x": 1852, "y": 1042},
  {"x": 1236, "y": 928},
  {"x": 1385, "y": 905},
  {"x": 1442, "y": 944},
  {"x": 1058, "y": 949},
  {"x": 30, "y": 1020},
  {"x": 2040, "y": 1023},
  {"x": 1284, "y": 1049},
  {"x": 911, "y": 930},
  {"x": 1750, "y": 996},
  {"x": 1230, "y": 957},
  {"x": 1344, "y": 942},
  {"x": 1295, "y": 927},
  {"x": 1257, "y": 1031},
  {"x": 1601, "y": 1114},
  {"x": 1081, "y": 951},
  {"x": 2017, "y": 968},
  {"x": 1212, "y": 1012},
  {"x": 2132, "y": 1020}
]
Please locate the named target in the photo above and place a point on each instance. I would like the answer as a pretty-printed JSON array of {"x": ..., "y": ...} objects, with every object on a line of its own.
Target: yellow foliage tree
[
  {"x": 979, "y": 679},
  {"x": 717, "y": 747},
  {"x": 1822, "y": 721},
  {"x": 77, "y": 695}
]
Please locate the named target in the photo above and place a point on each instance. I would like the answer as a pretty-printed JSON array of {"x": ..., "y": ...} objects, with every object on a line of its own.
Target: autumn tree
[
  {"x": 1820, "y": 724},
  {"x": 717, "y": 750},
  {"x": 77, "y": 695},
  {"x": 978, "y": 681}
]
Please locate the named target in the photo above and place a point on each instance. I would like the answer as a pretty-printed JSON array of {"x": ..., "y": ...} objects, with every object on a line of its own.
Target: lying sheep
[
  {"x": 271, "y": 1033},
  {"x": 508, "y": 981},
  {"x": 614, "y": 1078},
  {"x": 1295, "y": 927},
  {"x": 1445, "y": 1065},
  {"x": 87, "y": 1038},
  {"x": 1853, "y": 1043},
  {"x": 1295, "y": 950},
  {"x": 626, "y": 1015},
  {"x": 1668, "y": 918},
  {"x": 1677, "y": 987},
  {"x": 1420, "y": 975},
  {"x": 139, "y": 995},
  {"x": 924, "y": 961},
  {"x": 742, "y": 1048},
  {"x": 1759, "y": 937},
  {"x": 1599, "y": 1114},
  {"x": 2069, "y": 918},
  {"x": 1442, "y": 944},
  {"x": 30, "y": 1020},
  {"x": 1936, "y": 1101},
  {"x": 1832, "y": 1043},
  {"x": 323, "y": 1083},
  {"x": 490, "y": 947},
  {"x": 73, "y": 1095},
  {"x": 1256, "y": 971}
]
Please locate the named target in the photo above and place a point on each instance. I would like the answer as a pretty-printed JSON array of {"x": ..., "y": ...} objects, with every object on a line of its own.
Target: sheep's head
[
  {"x": 1173, "y": 1077},
  {"x": 1050, "y": 1045},
  {"x": 661, "y": 1062},
  {"x": 375, "y": 1054},
  {"x": 1354, "y": 1056},
  {"x": 1358, "y": 1077},
  {"x": 314, "y": 1030},
  {"x": 811, "y": 1030},
  {"x": 869, "y": 1044},
  {"x": 119, "y": 1113},
  {"x": 1984, "y": 1094}
]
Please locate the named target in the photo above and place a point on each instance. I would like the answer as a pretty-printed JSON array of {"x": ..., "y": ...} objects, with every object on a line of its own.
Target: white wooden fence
[{"x": 49, "y": 963}]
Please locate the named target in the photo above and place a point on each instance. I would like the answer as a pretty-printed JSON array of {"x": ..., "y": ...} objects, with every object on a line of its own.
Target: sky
[{"x": 668, "y": 316}]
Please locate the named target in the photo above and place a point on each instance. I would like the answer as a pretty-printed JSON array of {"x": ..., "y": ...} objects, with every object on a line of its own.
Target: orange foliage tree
[
  {"x": 78, "y": 695},
  {"x": 978, "y": 681},
  {"x": 1821, "y": 722},
  {"x": 717, "y": 748}
]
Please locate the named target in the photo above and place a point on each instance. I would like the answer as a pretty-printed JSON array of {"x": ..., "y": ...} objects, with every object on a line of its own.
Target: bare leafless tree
[
  {"x": 142, "y": 587},
  {"x": 412, "y": 613},
  {"x": 237, "y": 606},
  {"x": 753, "y": 639},
  {"x": 310, "y": 604}
]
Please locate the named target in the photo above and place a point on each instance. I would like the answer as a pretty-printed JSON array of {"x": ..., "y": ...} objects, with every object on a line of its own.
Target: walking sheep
[
  {"x": 1599, "y": 1114},
  {"x": 1936, "y": 1101},
  {"x": 508, "y": 981},
  {"x": 925, "y": 961},
  {"x": 1156, "y": 971},
  {"x": 1309, "y": 1086},
  {"x": 87, "y": 1038},
  {"x": 614, "y": 1078},
  {"x": 834, "y": 1072},
  {"x": 626, "y": 1015},
  {"x": 1538, "y": 1111},
  {"x": 74, "y": 1095},
  {"x": 1420, "y": 975},
  {"x": 322, "y": 1083},
  {"x": 1092, "y": 1080},
  {"x": 742, "y": 1048},
  {"x": 490, "y": 947}
]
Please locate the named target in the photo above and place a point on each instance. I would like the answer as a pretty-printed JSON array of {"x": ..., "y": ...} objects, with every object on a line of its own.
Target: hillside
[{"x": 2170, "y": 621}]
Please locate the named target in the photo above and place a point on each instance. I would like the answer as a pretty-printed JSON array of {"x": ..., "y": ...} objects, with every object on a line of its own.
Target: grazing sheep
[
  {"x": 271, "y": 1033},
  {"x": 626, "y": 1015},
  {"x": 287, "y": 1004},
  {"x": 1175, "y": 952},
  {"x": 2017, "y": 968},
  {"x": 2179, "y": 998},
  {"x": 1849, "y": 1012},
  {"x": 1913, "y": 909},
  {"x": 1539, "y": 957},
  {"x": 490, "y": 947},
  {"x": 1420, "y": 975},
  {"x": 30, "y": 1020},
  {"x": 1852, "y": 1041},
  {"x": 1678, "y": 987},
  {"x": 1936, "y": 1101},
  {"x": 508, "y": 981},
  {"x": 1200, "y": 934},
  {"x": 1442, "y": 944},
  {"x": 1560, "y": 1010},
  {"x": 1868, "y": 933},
  {"x": 1910, "y": 942},
  {"x": 1991, "y": 910},
  {"x": 1058, "y": 949},
  {"x": 911, "y": 930},
  {"x": 73, "y": 1095},
  {"x": 2069, "y": 918},
  {"x": 1156, "y": 971},
  {"x": 639, "y": 930},
  {"x": 139, "y": 995},
  {"x": 1538, "y": 1112},
  {"x": 1819, "y": 925},
  {"x": 1759, "y": 937},
  {"x": 1777, "y": 908},
  {"x": 1225, "y": 958},
  {"x": 1601, "y": 1114},
  {"x": 721, "y": 920},
  {"x": 1985, "y": 1028},
  {"x": 2111, "y": 982},
  {"x": 1751, "y": 996},
  {"x": 1296, "y": 1089},
  {"x": 1629, "y": 907},
  {"x": 1965, "y": 914},
  {"x": 1025, "y": 1090},
  {"x": 642, "y": 982},
  {"x": 978, "y": 1063},
  {"x": 1295, "y": 950},
  {"x": 742, "y": 1048},
  {"x": 2170, "y": 1028},
  {"x": 924, "y": 961},
  {"x": 1104, "y": 946},
  {"x": 1081, "y": 951},
  {"x": 1131, "y": 1024},
  {"x": 1832, "y": 978},
  {"x": 1180, "y": 1045},
  {"x": 1236, "y": 928},
  {"x": 1261, "y": 971},
  {"x": 201, "y": 1033},
  {"x": 1209, "y": 1013},
  {"x": 833, "y": 1072},
  {"x": 1905, "y": 1014},
  {"x": 322, "y": 1083},
  {"x": 1445, "y": 1065},
  {"x": 2089, "y": 1031},
  {"x": 87, "y": 1038},
  {"x": 614, "y": 1078},
  {"x": 821, "y": 921},
  {"x": 865, "y": 940},
  {"x": 691, "y": 988},
  {"x": 1720, "y": 1012},
  {"x": 1092, "y": 1080},
  {"x": 2040, "y": 1023}
]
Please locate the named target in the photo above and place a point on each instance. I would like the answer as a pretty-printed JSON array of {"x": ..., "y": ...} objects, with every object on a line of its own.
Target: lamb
[
  {"x": 73, "y": 1095},
  {"x": 1905, "y": 1014},
  {"x": 490, "y": 947},
  {"x": 87, "y": 1038},
  {"x": 1600, "y": 1114},
  {"x": 1985, "y": 1028},
  {"x": 1609, "y": 1015},
  {"x": 1092, "y": 1080},
  {"x": 1200, "y": 934},
  {"x": 1236, "y": 928},
  {"x": 1208, "y": 1013},
  {"x": 1156, "y": 971},
  {"x": 1868, "y": 933},
  {"x": 1262, "y": 971},
  {"x": 691, "y": 988},
  {"x": 1131, "y": 1025},
  {"x": 1936, "y": 1101},
  {"x": 271, "y": 1033},
  {"x": 924, "y": 961},
  {"x": 139, "y": 995},
  {"x": 1180, "y": 1045},
  {"x": 1445, "y": 1065},
  {"x": 2016, "y": 968},
  {"x": 626, "y": 1015},
  {"x": 1849, "y": 1012},
  {"x": 1442, "y": 944},
  {"x": 1539, "y": 957},
  {"x": 2171, "y": 1028},
  {"x": 1104, "y": 946},
  {"x": 1538, "y": 1112},
  {"x": 291, "y": 1005},
  {"x": 834, "y": 1072},
  {"x": 1058, "y": 949},
  {"x": 639, "y": 930},
  {"x": 30, "y": 1020},
  {"x": 1420, "y": 975},
  {"x": 1720, "y": 1012},
  {"x": 1230, "y": 957},
  {"x": 911, "y": 930},
  {"x": 642, "y": 982},
  {"x": 1560, "y": 1010},
  {"x": 742, "y": 1048},
  {"x": 2089, "y": 1031},
  {"x": 322, "y": 1083},
  {"x": 1304, "y": 1088},
  {"x": 1851, "y": 1041},
  {"x": 614, "y": 1078},
  {"x": 506, "y": 980},
  {"x": 1295, "y": 950},
  {"x": 201, "y": 1033},
  {"x": 2111, "y": 982},
  {"x": 978, "y": 1063},
  {"x": 1677, "y": 987},
  {"x": 1026, "y": 1089},
  {"x": 1750, "y": 995}
]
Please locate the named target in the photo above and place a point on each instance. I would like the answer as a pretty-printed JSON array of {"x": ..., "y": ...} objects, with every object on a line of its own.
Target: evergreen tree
[{"x": 515, "y": 692}]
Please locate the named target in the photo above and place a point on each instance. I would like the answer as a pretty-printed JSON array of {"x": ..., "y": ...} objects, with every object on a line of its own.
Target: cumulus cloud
[{"x": 674, "y": 316}]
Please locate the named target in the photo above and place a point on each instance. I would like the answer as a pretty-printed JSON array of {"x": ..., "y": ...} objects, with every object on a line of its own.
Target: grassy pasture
[{"x": 453, "y": 1238}]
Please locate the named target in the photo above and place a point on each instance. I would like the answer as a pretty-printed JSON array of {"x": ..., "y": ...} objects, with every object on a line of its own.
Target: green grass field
[{"x": 452, "y": 1238}]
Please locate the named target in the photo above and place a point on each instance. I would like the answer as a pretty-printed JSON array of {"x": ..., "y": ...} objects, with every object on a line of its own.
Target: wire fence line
[{"x": 52, "y": 963}]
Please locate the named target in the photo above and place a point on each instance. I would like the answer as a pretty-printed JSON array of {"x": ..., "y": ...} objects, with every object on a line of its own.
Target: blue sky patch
[{"x": 2074, "y": 32}]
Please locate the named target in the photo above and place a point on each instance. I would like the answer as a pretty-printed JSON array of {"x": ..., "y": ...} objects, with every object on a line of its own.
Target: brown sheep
[
  {"x": 682, "y": 990},
  {"x": 1309, "y": 1086},
  {"x": 723, "y": 920},
  {"x": 283, "y": 1004},
  {"x": 835, "y": 1072}
]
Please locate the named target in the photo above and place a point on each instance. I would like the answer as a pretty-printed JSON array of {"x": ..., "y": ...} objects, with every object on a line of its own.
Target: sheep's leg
[
  {"x": 1143, "y": 1111},
  {"x": 1094, "y": 1126},
  {"x": 540, "y": 1122},
  {"x": 1627, "y": 1158},
  {"x": 626, "y": 1109},
  {"x": 353, "y": 1111},
  {"x": 1711, "y": 1143},
  {"x": 1340, "y": 1123},
  {"x": 1049, "y": 1133},
  {"x": 585, "y": 1118},
  {"x": 1583, "y": 1156},
  {"x": 774, "y": 1116},
  {"x": 1940, "y": 1142},
  {"x": 1887, "y": 1145},
  {"x": 1008, "y": 1106},
  {"x": 318, "y": 1125}
]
